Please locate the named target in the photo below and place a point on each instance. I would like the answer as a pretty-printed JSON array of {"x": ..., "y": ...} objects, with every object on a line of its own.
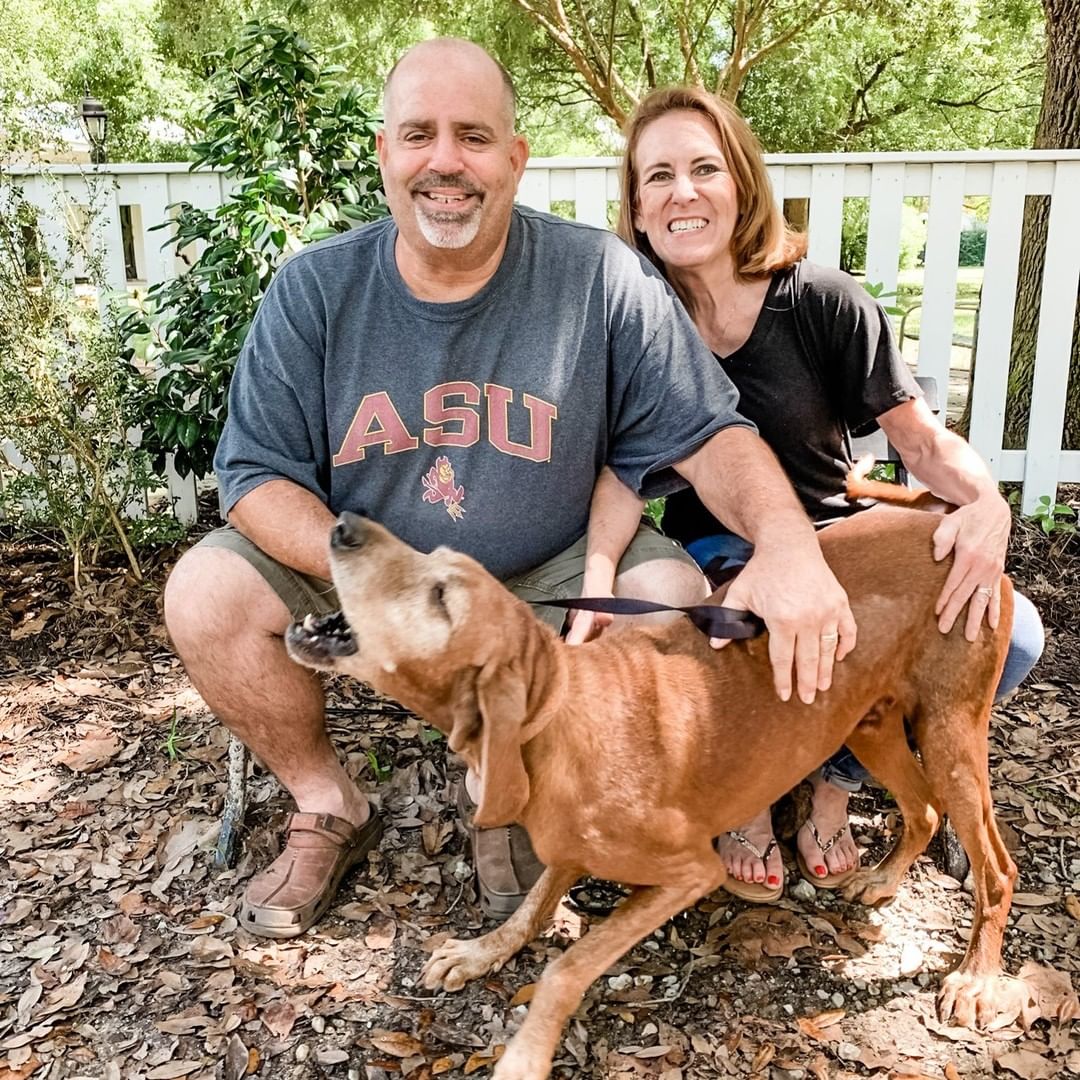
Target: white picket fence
[{"x": 129, "y": 200}]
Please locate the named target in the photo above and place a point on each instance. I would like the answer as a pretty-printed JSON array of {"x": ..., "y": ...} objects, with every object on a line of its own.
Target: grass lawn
[{"x": 968, "y": 285}]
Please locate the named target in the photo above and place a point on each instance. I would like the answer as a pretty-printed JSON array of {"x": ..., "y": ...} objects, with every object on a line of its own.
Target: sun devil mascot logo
[{"x": 439, "y": 488}]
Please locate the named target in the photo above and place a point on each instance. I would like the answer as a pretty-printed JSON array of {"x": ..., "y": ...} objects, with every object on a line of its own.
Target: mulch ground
[{"x": 120, "y": 954}]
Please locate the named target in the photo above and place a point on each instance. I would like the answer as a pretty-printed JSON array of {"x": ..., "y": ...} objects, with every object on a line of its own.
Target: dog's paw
[
  {"x": 980, "y": 1001},
  {"x": 522, "y": 1063},
  {"x": 870, "y": 887},
  {"x": 454, "y": 963}
]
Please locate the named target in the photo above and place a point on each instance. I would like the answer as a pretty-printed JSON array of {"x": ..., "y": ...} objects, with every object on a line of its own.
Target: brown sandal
[
  {"x": 829, "y": 881},
  {"x": 506, "y": 865},
  {"x": 298, "y": 887},
  {"x": 754, "y": 892}
]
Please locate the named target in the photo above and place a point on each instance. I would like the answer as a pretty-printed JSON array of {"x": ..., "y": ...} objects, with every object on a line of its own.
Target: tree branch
[
  {"x": 646, "y": 50},
  {"x": 555, "y": 24}
]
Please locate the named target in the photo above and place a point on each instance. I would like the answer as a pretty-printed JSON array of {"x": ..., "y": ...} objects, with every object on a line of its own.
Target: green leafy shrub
[
  {"x": 973, "y": 247},
  {"x": 299, "y": 143},
  {"x": 1053, "y": 517},
  {"x": 69, "y": 461},
  {"x": 854, "y": 233}
]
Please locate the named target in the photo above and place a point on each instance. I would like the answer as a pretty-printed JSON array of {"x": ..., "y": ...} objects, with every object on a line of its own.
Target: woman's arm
[
  {"x": 977, "y": 533},
  {"x": 613, "y": 520}
]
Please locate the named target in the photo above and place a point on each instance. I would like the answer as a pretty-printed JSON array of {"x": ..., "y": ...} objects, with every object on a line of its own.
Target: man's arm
[
  {"x": 289, "y": 523},
  {"x": 787, "y": 581},
  {"x": 977, "y": 533}
]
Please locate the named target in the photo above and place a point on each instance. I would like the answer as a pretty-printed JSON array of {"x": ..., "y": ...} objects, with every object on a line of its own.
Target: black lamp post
[{"x": 95, "y": 122}]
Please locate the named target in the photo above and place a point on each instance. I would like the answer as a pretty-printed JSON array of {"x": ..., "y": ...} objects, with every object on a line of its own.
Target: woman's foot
[
  {"x": 828, "y": 856},
  {"x": 752, "y": 860}
]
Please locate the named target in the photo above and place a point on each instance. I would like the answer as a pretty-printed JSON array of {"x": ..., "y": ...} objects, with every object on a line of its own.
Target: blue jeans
[{"x": 843, "y": 769}]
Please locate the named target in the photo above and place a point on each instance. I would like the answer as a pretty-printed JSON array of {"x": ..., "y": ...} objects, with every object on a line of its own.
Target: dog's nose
[{"x": 349, "y": 532}]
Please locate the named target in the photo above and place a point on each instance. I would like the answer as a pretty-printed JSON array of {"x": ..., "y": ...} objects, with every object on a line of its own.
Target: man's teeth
[
  {"x": 687, "y": 226},
  {"x": 446, "y": 198}
]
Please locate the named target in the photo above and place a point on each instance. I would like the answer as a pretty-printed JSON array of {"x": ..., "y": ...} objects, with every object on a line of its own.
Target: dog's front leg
[
  {"x": 564, "y": 982},
  {"x": 455, "y": 962}
]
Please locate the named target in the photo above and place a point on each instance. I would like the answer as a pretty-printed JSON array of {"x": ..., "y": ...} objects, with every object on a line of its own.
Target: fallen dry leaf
[
  {"x": 479, "y": 1061},
  {"x": 172, "y": 1069},
  {"x": 1028, "y": 1065},
  {"x": 381, "y": 935},
  {"x": 813, "y": 1030},
  {"x": 524, "y": 995},
  {"x": 1031, "y": 899},
  {"x": 1072, "y": 906},
  {"x": 445, "y": 1064},
  {"x": 1051, "y": 991},
  {"x": 95, "y": 750},
  {"x": 278, "y": 1018},
  {"x": 21, "y": 1072},
  {"x": 762, "y": 1058},
  {"x": 397, "y": 1043},
  {"x": 34, "y": 625}
]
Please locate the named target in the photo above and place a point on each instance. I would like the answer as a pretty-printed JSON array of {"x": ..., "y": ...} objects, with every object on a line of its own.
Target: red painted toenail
[
  {"x": 820, "y": 871},
  {"x": 774, "y": 880}
]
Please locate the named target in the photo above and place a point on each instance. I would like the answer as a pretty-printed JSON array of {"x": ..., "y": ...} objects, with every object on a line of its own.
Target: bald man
[{"x": 461, "y": 371}]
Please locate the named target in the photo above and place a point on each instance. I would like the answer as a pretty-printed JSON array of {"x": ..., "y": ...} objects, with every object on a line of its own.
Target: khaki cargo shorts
[{"x": 559, "y": 578}]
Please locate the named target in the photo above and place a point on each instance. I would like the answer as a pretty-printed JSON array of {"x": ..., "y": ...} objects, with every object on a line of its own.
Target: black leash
[{"x": 710, "y": 619}]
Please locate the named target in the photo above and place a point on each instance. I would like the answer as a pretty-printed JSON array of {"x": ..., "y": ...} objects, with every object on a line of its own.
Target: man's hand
[
  {"x": 978, "y": 536},
  {"x": 806, "y": 613}
]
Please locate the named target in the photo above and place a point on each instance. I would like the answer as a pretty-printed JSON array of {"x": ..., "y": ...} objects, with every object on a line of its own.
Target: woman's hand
[{"x": 978, "y": 536}]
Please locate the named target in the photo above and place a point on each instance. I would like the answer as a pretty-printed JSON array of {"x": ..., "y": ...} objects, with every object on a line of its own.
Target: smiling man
[{"x": 462, "y": 371}]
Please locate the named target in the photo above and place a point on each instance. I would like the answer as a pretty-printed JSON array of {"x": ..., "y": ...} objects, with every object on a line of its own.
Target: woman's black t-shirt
[{"x": 820, "y": 364}]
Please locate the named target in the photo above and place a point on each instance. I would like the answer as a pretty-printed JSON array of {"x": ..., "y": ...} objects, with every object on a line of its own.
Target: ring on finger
[
  {"x": 986, "y": 590},
  {"x": 829, "y": 639}
]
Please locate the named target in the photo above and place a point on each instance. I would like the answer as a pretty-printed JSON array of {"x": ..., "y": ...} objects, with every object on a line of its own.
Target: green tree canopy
[{"x": 811, "y": 74}]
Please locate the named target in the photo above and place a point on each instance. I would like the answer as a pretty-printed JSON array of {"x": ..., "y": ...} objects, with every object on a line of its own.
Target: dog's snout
[{"x": 349, "y": 532}]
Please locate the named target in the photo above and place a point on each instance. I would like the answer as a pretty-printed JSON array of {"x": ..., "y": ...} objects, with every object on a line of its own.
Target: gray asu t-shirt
[{"x": 480, "y": 424}]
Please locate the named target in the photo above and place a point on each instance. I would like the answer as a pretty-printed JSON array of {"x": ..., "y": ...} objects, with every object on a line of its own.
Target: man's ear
[
  {"x": 500, "y": 699},
  {"x": 519, "y": 155}
]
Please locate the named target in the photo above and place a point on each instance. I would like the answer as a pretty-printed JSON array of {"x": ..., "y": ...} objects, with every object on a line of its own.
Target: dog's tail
[{"x": 859, "y": 486}]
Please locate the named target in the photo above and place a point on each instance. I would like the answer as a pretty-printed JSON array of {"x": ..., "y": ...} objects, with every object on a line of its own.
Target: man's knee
[
  {"x": 677, "y": 582},
  {"x": 213, "y": 594}
]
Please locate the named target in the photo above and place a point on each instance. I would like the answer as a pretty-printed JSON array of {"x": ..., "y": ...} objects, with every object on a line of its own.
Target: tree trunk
[{"x": 1058, "y": 128}]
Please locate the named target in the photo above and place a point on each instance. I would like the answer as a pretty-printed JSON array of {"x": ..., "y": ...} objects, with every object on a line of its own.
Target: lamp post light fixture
[{"x": 95, "y": 122}]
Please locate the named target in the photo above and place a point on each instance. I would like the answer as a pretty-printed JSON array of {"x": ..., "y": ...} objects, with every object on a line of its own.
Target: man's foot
[
  {"x": 297, "y": 888},
  {"x": 505, "y": 863},
  {"x": 752, "y": 860},
  {"x": 828, "y": 856}
]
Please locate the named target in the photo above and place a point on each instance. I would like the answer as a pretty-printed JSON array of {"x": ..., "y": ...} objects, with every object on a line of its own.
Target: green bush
[
  {"x": 300, "y": 144},
  {"x": 69, "y": 461},
  {"x": 854, "y": 230},
  {"x": 973, "y": 247}
]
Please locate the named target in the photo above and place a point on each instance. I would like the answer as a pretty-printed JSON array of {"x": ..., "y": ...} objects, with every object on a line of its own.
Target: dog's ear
[
  {"x": 489, "y": 714},
  {"x": 501, "y": 697}
]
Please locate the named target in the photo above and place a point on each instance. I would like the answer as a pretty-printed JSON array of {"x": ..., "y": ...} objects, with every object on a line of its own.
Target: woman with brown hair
[{"x": 813, "y": 357}]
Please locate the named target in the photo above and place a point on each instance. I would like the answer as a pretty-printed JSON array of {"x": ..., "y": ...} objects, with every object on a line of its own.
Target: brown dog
[{"x": 625, "y": 757}]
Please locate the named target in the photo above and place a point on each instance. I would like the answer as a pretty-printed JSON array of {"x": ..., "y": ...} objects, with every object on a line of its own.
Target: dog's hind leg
[
  {"x": 565, "y": 980},
  {"x": 955, "y": 756},
  {"x": 456, "y": 962},
  {"x": 880, "y": 743}
]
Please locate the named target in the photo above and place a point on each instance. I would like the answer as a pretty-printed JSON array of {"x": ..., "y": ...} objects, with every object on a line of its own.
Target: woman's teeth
[{"x": 687, "y": 226}]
